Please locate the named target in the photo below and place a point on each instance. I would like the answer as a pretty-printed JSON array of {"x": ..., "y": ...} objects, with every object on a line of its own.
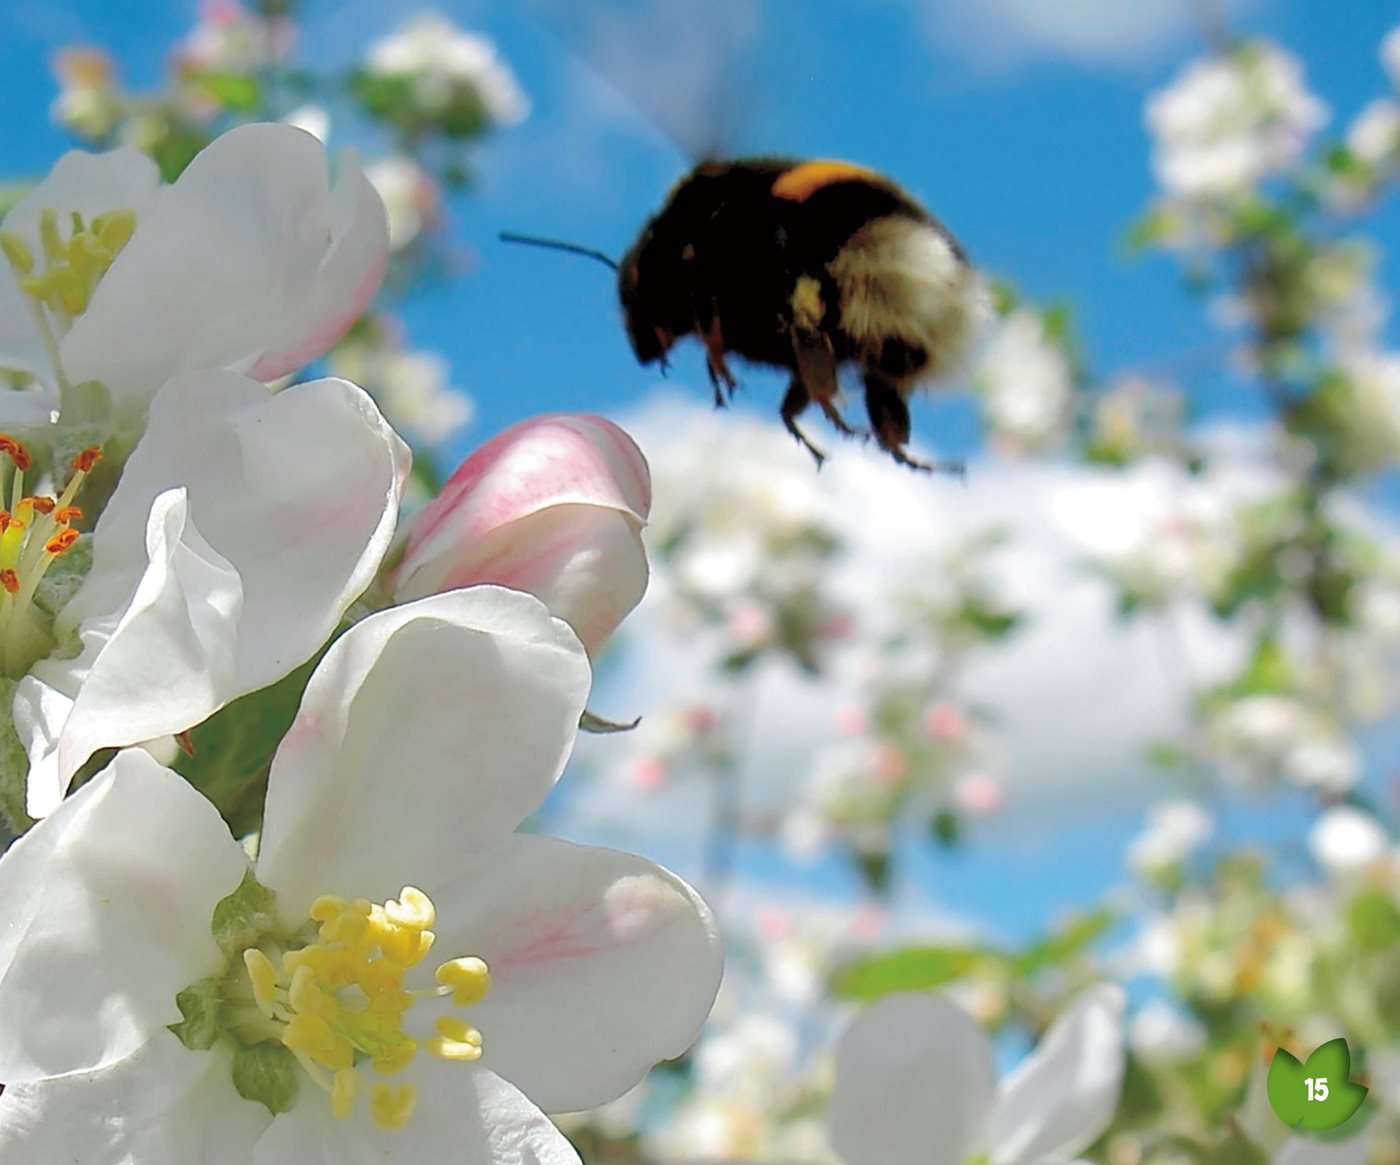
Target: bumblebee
[{"x": 807, "y": 266}]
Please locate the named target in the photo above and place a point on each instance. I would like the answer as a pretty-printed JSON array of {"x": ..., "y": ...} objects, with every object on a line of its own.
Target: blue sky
[{"x": 1023, "y": 132}]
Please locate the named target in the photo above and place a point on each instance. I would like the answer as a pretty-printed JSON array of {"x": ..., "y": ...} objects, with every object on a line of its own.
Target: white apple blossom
[
  {"x": 412, "y": 199},
  {"x": 916, "y": 1085},
  {"x": 1271, "y": 734},
  {"x": 296, "y": 984},
  {"x": 1025, "y": 382},
  {"x": 1344, "y": 841},
  {"x": 1374, "y": 137},
  {"x": 438, "y": 57},
  {"x": 242, "y": 528},
  {"x": 1229, "y": 121},
  {"x": 88, "y": 101},
  {"x": 252, "y": 260},
  {"x": 1174, "y": 831},
  {"x": 1390, "y": 55},
  {"x": 414, "y": 388},
  {"x": 1163, "y": 1034},
  {"x": 231, "y": 39},
  {"x": 554, "y": 506}
]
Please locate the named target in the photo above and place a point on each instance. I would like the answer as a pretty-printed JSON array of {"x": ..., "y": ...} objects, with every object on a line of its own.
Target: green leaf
[
  {"x": 1235, "y": 1149},
  {"x": 236, "y": 91},
  {"x": 1288, "y": 1095},
  {"x": 1374, "y": 920},
  {"x": 946, "y": 829},
  {"x": 234, "y": 747},
  {"x": 1063, "y": 944},
  {"x": 914, "y": 969},
  {"x": 1331, "y": 1062},
  {"x": 1318, "y": 1095}
]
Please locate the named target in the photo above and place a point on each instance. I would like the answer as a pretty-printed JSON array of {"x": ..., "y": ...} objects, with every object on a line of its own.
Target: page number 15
[{"x": 1317, "y": 1087}]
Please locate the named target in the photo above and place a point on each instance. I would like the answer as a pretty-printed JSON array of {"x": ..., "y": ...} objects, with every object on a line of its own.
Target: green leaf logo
[{"x": 1317, "y": 1095}]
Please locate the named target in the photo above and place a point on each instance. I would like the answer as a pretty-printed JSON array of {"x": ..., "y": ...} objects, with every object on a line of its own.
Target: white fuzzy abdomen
[{"x": 901, "y": 280}]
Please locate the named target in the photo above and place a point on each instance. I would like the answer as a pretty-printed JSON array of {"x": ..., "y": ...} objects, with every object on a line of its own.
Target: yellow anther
[
  {"x": 403, "y": 945},
  {"x": 17, "y": 252},
  {"x": 396, "y": 1059},
  {"x": 115, "y": 228},
  {"x": 344, "y": 1087},
  {"x": 390, "y": 1107},
  {"x": 263, "y": 975},
  {"x": 49, "y": 237},
  {"x": 468, "y": 978},
  {"x": 412, "y": 908},
  {"x": 327, "y": 907},
  {"x": 305, "y": 994},
  {"x": 309, "y": 1033},
  {"x": 456, "y": 1040}
]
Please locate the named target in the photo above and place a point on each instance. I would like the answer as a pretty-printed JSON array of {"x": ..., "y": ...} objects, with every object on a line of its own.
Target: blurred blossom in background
[{"x": 1122, "y": 706}]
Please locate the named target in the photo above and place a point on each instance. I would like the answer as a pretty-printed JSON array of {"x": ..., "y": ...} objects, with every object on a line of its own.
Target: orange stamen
[
  {"x": 10, "y": 581},
  {"x": 185, "y": 743},
  {"x": 18, "y": 453},
  {"x": 89, "y": 457},
  {"x": 68, "y": 514},
  {"x": 42, "y": 504},
  {"x": 61, "y": 541}
]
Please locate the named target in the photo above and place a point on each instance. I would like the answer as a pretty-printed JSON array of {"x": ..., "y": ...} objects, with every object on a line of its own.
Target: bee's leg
[
  {"x": 889, "y": 420},
  {"x": 816, "y": 368},
  {"x": 712, "y": 335},
  {"x": 794, "y": 402}
]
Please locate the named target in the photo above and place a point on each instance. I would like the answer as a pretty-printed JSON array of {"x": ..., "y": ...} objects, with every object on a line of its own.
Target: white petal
[
  {"x": 160, "y": 666},
  {"x": 88, "y": 184},
  {"x": 1062, "y": 1096},
  {"x": 225, "y": 258},
  {"x": 913, "y": 1084},
  {"x": 464, "y": 1115},
  {"x": 1311, "y": 1151},
  {"x": 298, "y": 490},
  {"x": 164, "y": 1105},
  {"x": 426, "y": 735},
  {"x": 585, "y": 563},
  {"x": 108, "y": 903},
  {"x": 602, "y": 964},
  {"x": 346, "y": 282},
  {"x": 297, "y": 496}
]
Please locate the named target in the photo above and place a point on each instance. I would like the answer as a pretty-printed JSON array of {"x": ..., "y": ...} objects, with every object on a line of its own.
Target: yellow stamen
[
  {"x": 263, "y": 975},
  {"x": 468, "y": 978},
  {"x": 343, "y": 1090},
  {"x": 392, "y": 1108}
]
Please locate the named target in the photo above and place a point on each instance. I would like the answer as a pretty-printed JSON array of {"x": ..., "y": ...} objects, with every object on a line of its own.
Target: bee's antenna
[{"x": 558, "y": 245}]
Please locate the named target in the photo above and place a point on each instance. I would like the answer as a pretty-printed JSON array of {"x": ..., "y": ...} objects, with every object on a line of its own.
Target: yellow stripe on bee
[{"x": 802, "y": 181}]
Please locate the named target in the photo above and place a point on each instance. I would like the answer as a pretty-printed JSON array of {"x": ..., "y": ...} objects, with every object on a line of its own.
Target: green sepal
[
  {"x": 199, "y": 1003},
  {"x": 243, "y": 917},
  {"x": 233, "y": 749},
  {"x": 14, "y": 766},
  {"x": 268, "y": 1074}
]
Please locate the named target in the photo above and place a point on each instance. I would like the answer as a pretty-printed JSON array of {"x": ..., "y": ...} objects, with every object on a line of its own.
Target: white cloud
[
  {"x": 1077, "y": 694},
  {"x": 999, "y": 34}
]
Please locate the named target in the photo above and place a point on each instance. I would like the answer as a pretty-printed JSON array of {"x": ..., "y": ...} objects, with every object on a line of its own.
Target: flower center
[
  {"x": 60, "y": 288},
  {"x": 331, "y": 1003},
  {"x": 34, "y": 530}
]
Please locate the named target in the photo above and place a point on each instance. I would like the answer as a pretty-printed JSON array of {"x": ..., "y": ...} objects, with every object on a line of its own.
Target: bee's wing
[{"x": 689, "y": 66}]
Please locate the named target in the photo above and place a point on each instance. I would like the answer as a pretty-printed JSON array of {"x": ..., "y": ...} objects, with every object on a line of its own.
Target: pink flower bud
[{"x": 553, "y": 506}]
